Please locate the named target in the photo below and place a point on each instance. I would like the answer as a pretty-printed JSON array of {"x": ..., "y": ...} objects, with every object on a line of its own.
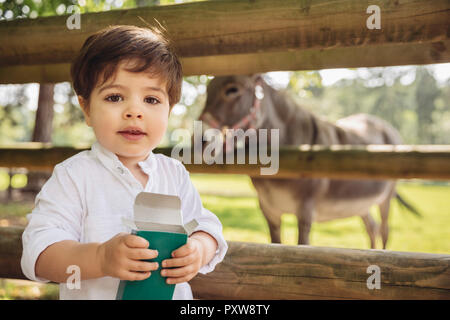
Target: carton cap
[{"x": 158, "y": 212}]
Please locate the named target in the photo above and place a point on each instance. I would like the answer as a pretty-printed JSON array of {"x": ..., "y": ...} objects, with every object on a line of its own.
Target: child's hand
[
  {"x": 186, "y": 261},
  {"x": 120, "y": 257}
]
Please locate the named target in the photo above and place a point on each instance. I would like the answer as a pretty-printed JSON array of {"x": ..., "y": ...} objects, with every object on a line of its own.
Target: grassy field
[
  {"x": 430, "y": 233},
  {"x": 233, "y": 199}
]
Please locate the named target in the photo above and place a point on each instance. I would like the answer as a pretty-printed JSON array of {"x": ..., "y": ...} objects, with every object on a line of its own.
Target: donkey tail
[{"x": 407, "y": 205}]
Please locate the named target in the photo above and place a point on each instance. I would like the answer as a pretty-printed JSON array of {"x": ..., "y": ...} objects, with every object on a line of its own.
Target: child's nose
[{"x": 132, "y": 113}]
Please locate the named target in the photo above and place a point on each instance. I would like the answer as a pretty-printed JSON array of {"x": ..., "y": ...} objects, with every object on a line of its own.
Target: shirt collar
[{"x": 111, "y": 161}]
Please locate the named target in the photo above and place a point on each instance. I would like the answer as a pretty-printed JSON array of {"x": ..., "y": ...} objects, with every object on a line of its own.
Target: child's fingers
[
  {"x": 133, "y": 241},
  {"x": 182, "y": 279},
  {"x": 178, "y": 272},
  {"x": 178, "y": 262},
  {"x": 185, "y": 250},
  {"x": 142, "y": 254},
  {"x": 134, "y": 276},
  {"x": 142, "y": 266}
]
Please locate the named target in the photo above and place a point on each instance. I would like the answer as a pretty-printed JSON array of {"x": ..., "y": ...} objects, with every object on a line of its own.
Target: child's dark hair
[{"x": 102, "y": 52}]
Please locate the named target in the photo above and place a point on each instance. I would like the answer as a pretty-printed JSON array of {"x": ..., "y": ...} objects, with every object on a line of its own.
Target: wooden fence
[
  {"x": 275, "y": 271},
  {"x": 242, "y": 37},
  {"x": 337, "y": 161}
]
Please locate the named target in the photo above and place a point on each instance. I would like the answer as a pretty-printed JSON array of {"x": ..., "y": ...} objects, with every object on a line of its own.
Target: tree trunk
[
  {"x": 42, "y": 133},
  {"x": 44, "y": 114}
]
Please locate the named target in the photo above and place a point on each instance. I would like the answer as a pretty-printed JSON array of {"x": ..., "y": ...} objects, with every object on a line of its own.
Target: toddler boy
[{"x": 127, "y": 80}]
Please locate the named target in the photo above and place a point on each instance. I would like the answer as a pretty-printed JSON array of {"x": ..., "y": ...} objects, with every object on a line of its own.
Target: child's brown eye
[
  {"x": 113, "y": 98},
  {"x": 152, "y": 100}
]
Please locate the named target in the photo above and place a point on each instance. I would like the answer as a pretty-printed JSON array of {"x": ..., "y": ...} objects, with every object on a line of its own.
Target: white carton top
[{"x": 158, "y": 212}]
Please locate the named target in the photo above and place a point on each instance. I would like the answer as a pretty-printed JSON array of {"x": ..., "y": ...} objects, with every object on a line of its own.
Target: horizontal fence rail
[
  {"x": 275, "y": 271},
  {"x": 242, "y": 37},
  {"x": 336, "y": 161}
]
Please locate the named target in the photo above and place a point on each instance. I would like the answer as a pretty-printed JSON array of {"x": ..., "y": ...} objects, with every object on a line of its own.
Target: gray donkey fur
[{"x": 230, "y": 98}]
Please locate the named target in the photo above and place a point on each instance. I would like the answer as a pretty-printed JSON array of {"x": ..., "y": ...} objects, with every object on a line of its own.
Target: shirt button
[{"x": 121, "y": 170}]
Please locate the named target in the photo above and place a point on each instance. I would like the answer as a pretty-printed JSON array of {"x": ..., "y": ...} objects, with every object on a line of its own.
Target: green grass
[
  {"x": 21, "y": 290},
  {"x": 242, "y": 220}
]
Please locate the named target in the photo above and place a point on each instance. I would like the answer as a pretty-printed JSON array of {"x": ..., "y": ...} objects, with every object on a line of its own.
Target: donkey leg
[
  {"x": 384, "y": 214},
  {"x": 273, "y": 220},
  {"x": 275, "y": 230},
  {"x": 305, "y": 218},
  {"x": 372, "y": 229}
]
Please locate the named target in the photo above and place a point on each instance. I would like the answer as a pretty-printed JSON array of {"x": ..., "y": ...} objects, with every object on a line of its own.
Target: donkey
[{"x": 242, "y": 102}]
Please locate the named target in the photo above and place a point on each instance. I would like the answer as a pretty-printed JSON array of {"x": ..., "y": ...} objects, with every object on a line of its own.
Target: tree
[{"x": 426, "y": 92}]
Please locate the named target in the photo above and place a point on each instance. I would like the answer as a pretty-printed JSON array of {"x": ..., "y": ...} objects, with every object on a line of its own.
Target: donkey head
[{"x": 234, "y": 102}]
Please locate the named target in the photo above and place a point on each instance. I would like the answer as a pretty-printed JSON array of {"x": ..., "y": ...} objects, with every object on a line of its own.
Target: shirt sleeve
[
  {"x": 56, "y": 217},
  {"x": 192, "y": 208}
]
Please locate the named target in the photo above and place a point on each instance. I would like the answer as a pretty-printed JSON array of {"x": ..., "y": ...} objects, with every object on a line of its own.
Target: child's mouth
[{"x": 132, "y": 134}]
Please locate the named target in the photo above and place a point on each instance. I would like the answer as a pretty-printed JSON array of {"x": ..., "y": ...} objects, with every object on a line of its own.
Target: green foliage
[
  {"x": 5, "y": 180},
  {"x": 16, "y": 119},
  {"x": 16, "y": 180},
  {"x": 26, "y": 290},
  {"x": 419, "y": 110},
  {"x": 17, "y": 9},
  {"x": 306, "y": 84},
  {"x": 189, "y": 107},
  {"x": 13, "y": 9}
]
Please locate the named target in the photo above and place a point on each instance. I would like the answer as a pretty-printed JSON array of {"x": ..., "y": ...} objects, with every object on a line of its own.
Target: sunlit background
[{"x": 414, "y": 99}]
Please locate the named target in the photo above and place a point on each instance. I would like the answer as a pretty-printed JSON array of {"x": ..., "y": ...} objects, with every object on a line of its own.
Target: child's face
[{"x": 130, "y": 118}]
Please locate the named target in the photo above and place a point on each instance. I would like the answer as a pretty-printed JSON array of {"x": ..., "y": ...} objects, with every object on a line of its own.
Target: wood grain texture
[
  {"x": 333, "y": 33},
  {"x": 273, "y": 271},
  {"x": 232, "y": 64},
  {"x": 338, "y": 161}
]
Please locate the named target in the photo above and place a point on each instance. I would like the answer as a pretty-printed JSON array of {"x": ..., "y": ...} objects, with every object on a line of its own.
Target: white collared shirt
[{"x": 85, "y": 200}]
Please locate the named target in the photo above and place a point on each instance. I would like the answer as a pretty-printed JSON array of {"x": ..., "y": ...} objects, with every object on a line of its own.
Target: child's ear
[{"x": 85, "y": 108}]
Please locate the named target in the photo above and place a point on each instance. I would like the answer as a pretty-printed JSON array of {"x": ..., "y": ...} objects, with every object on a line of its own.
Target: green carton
[{"x": 158, "y": 219}]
